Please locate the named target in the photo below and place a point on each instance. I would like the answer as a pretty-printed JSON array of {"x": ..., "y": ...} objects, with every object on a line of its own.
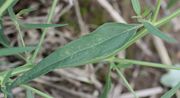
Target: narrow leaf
[
  {"x": 105, "y": 41},
  {"x": 24, "y": 11},
  {"x": 155, "y": 31},
  {"x": 6, "y": 77},
  {"x": 136, "y": 6},
  {"x": 40, "y": 26},
  {"x": 4, "y": 84},
  {"x": 3, "y": 40},
  {"x": 15, "y": 50},
  {"x": 171, "y": 92}
]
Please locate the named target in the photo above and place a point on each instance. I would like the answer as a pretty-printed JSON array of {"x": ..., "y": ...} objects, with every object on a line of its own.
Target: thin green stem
[
  {"x": 50, "y": 15},
  {"x": 143, "y": 32},
  {"x": 156, "y": 11},
  {"x": 36, "y": 91},
  {"x": 16, "y": 71},
  {"x": 126, "y": 82},
  {"x": 143, "y": 63},
  {"x": 20, "y": 33},
  {"x": 168, "y": 18}
]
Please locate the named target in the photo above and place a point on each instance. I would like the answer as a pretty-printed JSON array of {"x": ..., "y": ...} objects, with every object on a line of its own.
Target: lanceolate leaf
[
  {"x": 105, "y": 41},
  {"x": 3, "y": 40},
  {"x": 15, "y": 50},
  {"x": 136, "y": 6},
  {"x": 155, "y": 31}
]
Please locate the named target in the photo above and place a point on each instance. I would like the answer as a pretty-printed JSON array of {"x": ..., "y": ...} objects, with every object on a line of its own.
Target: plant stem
[
  {"x": 36, "y": 91},
  {"x": 17, "y": 70},
  {"x": 156, "y": 11},
  {"x": 126, "y": 82},
  {"x": 20, "y": 34},
  {"x": 45, "y": 30},
  {"x": 168, "y": 18},
  {"x": 143, "y": 32},
  {"x": 143, "y": 63}
]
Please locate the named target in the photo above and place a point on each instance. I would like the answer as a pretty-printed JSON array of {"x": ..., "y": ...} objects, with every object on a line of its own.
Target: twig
[
  {"x": 81, "y": 23},
  {"x": 82, "y": 95},
  {"x": 144, "y": 92}
]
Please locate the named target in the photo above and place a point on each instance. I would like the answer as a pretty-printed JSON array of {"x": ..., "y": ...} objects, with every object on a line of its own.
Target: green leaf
[
  {"x": 5, "y": 83},
  {"x": 107, "y": 85},
  {"x": 7, "y": 4},
  {"x": 6, "y": 77},
  {"x": 3, "y": 40},
  {"x": 105, "y": 41},
  {"x": 136, "y": 6},
  {"x": 40, "y": 26},
  {"x": 15, "y": 50},
  {"x": 171, "y": 92},
  {"x": 155, "y": 31},
  {"x": 24, "y": 11},
  {"x": 12, "y": 14}
]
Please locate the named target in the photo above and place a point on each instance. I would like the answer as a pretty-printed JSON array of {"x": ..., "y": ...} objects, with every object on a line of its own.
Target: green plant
[{"x": 99, "y": 46}]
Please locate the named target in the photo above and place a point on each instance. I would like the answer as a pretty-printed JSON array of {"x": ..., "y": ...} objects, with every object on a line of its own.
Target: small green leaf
[
  {"x": 6, "y": 77},
  {"x": 24, "y": 11},
  {"x": 136, "y": 6},
  {"x": 7, "y": 4},
  {"x": 155, "y": 31},
  {"x": 171, "y": 92},
  {"x": 12, "y": 14},
  {"x": 3, "y": 40},
  {"x": 105, "y": 41},
  {"x": 15, "y": 50},
  {"x": 5, "y": 83},
  {"x": 40, "y": 26}
]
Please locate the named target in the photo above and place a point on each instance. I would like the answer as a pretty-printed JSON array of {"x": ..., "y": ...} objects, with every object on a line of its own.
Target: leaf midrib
[{"x": 98, "y": 43}]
